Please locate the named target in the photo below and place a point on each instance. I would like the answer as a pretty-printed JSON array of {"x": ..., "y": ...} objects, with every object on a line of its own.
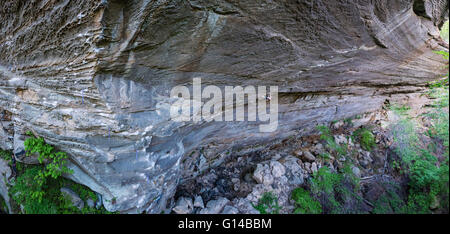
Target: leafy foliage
[
  {"x": 428, "y": 175},
  {"x": 304, "y": 203},
  {"x": 333, "y": 189},
  {"x": 3, "y": 206},
  {"x": 440, "y": 116},
  {"x": 366, "y": 138},
  {"x": 5, "y": 155},
  {"x": 324, "y": 180},
  {"x": 30, "y": 194},
  {"x": 54, "y": 168},
  {"x": 38, "y": 187},
  {"x": 268, "y": 204},
  {"x": 389, "y": 203},
  {"x": 445, "y": 55},
  {"x": 326, "y": 136},
  {"x": 56, "y": 165}
]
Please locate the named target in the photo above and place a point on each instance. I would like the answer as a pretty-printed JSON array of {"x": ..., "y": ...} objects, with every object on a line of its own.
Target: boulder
[
  {"x": 215, "y": 206},
  {"x": 263, "y": 174},
  {"x": 294, "y": 172},
  {"x": 73, "y": 197},
  {"x": 90, "y": 203},
  {"x": 230, "y": 210},
  {"x": 278, "y": 169},
  {"x": 198, "y": 202},
  {"x": 308, "y": 157},
  {"x": 184, "y": 205},
  {"x": 340, "y": 139},
  {"x": 356, "y": 171}
]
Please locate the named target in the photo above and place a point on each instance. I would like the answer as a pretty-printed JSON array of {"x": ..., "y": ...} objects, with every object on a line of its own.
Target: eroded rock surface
[
  {"x": 5, "y": 174},
  {"x": 93, "y": 77}
]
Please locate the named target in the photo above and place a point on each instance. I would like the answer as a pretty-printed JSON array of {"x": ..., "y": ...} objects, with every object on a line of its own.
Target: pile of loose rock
[{"x": 237, "y": 185}]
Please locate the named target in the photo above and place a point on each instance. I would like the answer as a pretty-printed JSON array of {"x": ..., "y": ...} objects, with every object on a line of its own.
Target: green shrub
[
  {"x": 53, "y": 164},
  {"x": 428, "y": 177},
  {"x": 334, "y": 189},
  {"x": 389, "y": 203},
  {"x": 37, "y": 187},
  {"x": 52, "y": 200},
  {"x": 56, "y": 165},
  {"x": 440, "y": 116},
  {"x": 444, "y": 54},
  {"x": 3, "y": 206},
  {"x": 268, "y": 204},
  {"x": 366, "y": 138},
  {"x": 5, "y": 155},
  {"x": 30, "y": 194},
  {"x": 325, "y": 135},
  {"x": 325, "y": 155},
  {"x": 444, "y": 81},
  {"x": 400, "y": 110},
  {"x": 324, "y": 181},
  {"x": 423, "y": 171},
  {"x": 304, "y": 203},
  {"x": 82, "y": 191}
]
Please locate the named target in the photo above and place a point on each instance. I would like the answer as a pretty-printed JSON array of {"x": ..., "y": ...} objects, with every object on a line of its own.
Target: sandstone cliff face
[{"x": 93, "y": 77}]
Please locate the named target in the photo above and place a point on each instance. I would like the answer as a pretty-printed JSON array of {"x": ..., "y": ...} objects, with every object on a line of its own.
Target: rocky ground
[{"x": 237, "y": 185}]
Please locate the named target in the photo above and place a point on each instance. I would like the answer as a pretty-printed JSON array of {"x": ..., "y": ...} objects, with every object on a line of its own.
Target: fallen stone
[
  {"x": 318, "y": 149},
  {"x": 338, "y": 124},
  {"x": 356, "y": 171},
  {"x": 277, "y": 169},
  {"x": 307, "y": 167},
  {"x": 248, "y": 178},
  {"x": 215, "y": 206},
  {"x": 230, "y": 210},
  {"x": 74, "y": 198},
  {"x": 294, "y": 172},
  {"x": 258, "y": 174},
  {"x": 298, "y": 153},
  {"x": 244, "y": 206},
  {"x": 90, "y": 203},
  {"x": 340, "y": 139},
  {"x": 263, "y": 174},
  {"x": 236, "y": 183},
  {"x": 364, "y": 163},
  {"x": 183, "y": 206},
  {"x": 308, "y": 156},
  {"x": 198, "y": 202},
  {"x": 268, "y": 179}
]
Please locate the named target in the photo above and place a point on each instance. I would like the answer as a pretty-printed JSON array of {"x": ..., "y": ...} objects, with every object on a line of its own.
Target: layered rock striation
[{"x": 94, "y": 77}]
